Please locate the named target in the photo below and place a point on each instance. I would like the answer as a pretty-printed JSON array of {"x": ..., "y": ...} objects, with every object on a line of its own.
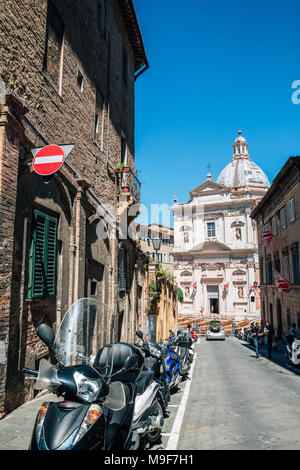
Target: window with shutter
[
  {"x": 295, "y": 259},
  {"x": 53, "y": 54},
  {"x": 42, "y": 273}
]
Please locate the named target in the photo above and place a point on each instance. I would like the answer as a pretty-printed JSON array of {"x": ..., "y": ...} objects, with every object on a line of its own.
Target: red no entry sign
[{"x": 48, "y": 160}]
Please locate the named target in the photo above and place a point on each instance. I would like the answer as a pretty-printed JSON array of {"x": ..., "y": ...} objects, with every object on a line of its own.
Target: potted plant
[
  {"x": 123, "y": 182},
  {"x": 119, "y": 167}
]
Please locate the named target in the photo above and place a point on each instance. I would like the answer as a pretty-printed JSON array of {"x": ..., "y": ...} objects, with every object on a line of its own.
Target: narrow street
[
  {"x": 234, "y": 401},
  {"x": 238, "y": 402}
]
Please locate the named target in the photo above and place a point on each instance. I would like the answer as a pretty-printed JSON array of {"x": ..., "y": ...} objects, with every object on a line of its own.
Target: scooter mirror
[
  {"x": 139, "y": 333},
  {"x": 46, "y": 333},
  {"x": 131, "y": 362}
]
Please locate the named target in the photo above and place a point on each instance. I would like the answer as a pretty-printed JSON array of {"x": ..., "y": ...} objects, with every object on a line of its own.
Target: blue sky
[{"x": 215, "y": 67}]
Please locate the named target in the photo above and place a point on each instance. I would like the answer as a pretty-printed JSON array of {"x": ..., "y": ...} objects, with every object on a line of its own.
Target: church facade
[{"x": 215, "y": 241}]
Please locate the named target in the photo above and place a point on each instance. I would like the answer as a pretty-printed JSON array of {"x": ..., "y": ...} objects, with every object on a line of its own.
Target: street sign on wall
[{"x": 49, "y": 159}]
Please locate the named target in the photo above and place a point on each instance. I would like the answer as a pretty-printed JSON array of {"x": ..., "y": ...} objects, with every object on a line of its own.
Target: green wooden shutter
[
  {"x": 51, "y": 257},
  {"x": 42, "y": 274}
]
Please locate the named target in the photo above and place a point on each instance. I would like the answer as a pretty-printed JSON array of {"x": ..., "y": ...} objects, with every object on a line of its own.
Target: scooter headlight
[
  {"x": 87, "y": 389},
  {"x": 91, "y": 417}
]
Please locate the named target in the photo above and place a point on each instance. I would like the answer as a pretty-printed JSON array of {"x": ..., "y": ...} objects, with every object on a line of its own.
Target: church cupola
[
  {"x": 241, "y": 171},
  {"x": 240, "y": 147}
]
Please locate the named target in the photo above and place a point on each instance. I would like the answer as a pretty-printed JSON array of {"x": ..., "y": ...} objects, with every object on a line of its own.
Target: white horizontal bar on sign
[{"x": 52, "y": 159}]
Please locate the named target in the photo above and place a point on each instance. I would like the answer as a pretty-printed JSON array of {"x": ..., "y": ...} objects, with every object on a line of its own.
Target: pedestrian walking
[
  {"x": 265, "y": 337},
  {"x": 270, "y": 337},
  {"x": 257, "y": 333},
  {"x": 290, "y": 337},
  {"x": 293, "y": 329}
]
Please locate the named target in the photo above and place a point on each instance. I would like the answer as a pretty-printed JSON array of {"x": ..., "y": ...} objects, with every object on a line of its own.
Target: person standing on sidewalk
[
  {"x": 257, "y": 332},
  {"x": 270, "y": 337},
  {"x": 265, "y": 337},
  {"x": 293, "y": 329}
]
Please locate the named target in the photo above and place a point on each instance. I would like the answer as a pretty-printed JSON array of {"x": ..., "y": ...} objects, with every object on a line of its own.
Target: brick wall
[
  {"x": 58, "y": 111},
  {"x": 70, "y": 117}
]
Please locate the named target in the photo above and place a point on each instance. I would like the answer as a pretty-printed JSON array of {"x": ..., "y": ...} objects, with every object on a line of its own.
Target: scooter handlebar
[{"x": 25, "y": 370}]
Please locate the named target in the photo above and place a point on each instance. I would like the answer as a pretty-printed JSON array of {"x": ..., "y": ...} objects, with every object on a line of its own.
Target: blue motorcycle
[{"x": 172, "y": 363}]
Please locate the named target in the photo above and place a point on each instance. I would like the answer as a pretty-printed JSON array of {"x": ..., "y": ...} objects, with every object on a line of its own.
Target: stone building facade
[
  {"x": 163, "y": 311},
  {"x": 279, "y": 213},
  {"x": 164, "y": 255},
  {"x": 215, "y": 241},
  {"x": 67, "y": 75}
]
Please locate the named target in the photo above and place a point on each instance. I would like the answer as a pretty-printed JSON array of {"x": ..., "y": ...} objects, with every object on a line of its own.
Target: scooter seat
[{"x": 144, "y": 380}]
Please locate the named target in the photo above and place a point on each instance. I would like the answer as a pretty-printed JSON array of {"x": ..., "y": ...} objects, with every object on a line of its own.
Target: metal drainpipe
[
  {"x": 3, "y": 122},
  {"x": 71, "y": 266},
  {"x": 77, "y": 243}
]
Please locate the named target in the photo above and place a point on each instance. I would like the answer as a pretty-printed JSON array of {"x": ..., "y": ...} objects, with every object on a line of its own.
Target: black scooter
[
  {"x": 155, "y": 355},
  {"x": 97, "y": 408},
  {"x": 184, "y": 344}
]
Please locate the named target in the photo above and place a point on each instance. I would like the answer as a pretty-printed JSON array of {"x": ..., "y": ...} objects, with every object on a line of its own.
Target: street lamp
[{"x": 156, "y": 242}]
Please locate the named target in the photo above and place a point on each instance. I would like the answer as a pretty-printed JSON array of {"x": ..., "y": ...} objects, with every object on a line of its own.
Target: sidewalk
[
  {"x": 278, "y": 356},
  {"x": 16, "y": 428}
]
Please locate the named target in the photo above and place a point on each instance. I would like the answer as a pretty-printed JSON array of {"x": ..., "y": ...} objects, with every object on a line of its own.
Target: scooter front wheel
[
  {"x": 154, "y": 436},
  {"x": 184, "y": 369}
]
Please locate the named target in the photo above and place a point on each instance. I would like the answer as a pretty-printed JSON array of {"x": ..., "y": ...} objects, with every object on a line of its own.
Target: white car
[{"x": 215, "y": 331}]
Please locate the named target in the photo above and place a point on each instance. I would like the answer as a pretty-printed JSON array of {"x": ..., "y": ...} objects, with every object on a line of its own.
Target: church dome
[{"x": 241, "y": 171}]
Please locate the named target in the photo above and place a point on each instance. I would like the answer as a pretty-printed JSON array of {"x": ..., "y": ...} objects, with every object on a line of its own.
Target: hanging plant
[{"x": 179, "y": 294}]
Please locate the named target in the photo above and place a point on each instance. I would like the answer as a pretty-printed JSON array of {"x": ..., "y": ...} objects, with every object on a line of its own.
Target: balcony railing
[{"x": 128, "y": 183}]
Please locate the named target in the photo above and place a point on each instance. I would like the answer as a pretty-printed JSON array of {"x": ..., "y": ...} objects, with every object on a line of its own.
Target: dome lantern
[{"x": 240, "y": 147}]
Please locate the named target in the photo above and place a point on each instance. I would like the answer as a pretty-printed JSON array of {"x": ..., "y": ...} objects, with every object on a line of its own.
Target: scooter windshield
[
  {"x": 78, "y": 338},
  {"x": 47, "y": 377}
]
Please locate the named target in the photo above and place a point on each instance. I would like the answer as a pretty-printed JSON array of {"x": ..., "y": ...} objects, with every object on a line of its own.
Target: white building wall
[{"x": 227, "y": 218}]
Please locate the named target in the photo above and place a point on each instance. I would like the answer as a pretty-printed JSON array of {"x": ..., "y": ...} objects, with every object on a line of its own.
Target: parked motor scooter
[
  {"x": 184, "y": 349},
  {"x": 293, "y": 349},
  {"x": 172, "y": 363},
  {"x": 194, "y": 336},
  {"x": 155, "y": 355},
  {"x": 98, "y": 386}
]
